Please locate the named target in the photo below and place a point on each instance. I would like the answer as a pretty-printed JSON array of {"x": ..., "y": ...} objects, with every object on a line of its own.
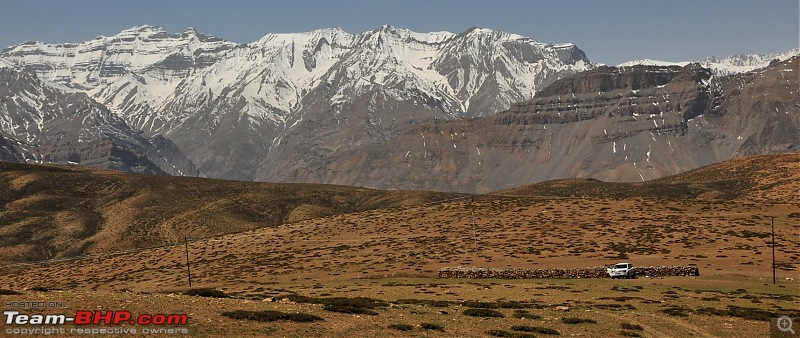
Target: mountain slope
[
  {"x": 42, "y": 122},
  {"x": 239, "y": 110},
  {"x": 56, "y": 212},
  {"x": 392, "y": 108},
  {"x": 713, "y": 227},
  {"x": 613, "y": 124}
]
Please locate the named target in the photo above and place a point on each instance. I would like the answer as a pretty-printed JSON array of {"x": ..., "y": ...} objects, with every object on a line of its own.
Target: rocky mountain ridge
[
  {"x": 393, "y": 108},
  {"x": 42, "y": 123},
  {"x": 229, "y": 107},
  {"x": 612, "y": 124}
]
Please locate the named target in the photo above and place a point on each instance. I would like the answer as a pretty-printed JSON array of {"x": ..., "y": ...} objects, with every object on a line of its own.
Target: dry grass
[
  {"x": 389, "y": 258},
  {"x": 207, "y": 319},
  {"x": 56, "y": 212}
]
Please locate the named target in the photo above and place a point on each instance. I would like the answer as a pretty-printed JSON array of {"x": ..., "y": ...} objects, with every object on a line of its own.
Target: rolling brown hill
[
  {"x": 766, "y": 179},
  {"x": 716, "y": 217},
  {"x": 762, "y": 179},
  {"x": 705, "y": 217},
  {"x": 55, "y": 212}
]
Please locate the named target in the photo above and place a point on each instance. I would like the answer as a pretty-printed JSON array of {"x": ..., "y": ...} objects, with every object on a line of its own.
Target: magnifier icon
[{"x": 785, "y": 324}]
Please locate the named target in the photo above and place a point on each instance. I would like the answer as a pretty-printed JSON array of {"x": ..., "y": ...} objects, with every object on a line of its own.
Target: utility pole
[
  {"x": 774, "y": 276},
  {"x": 188, "y": 269}
]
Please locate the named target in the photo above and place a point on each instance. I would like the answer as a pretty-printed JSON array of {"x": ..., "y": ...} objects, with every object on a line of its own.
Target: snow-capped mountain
[
  {"x": 237, "y": 110},
  {"x": 388, "y": 108},
  {"x": 45, "y": 123},
  {"x": 614, "y": 124},
  {"x": 146, "y": 51},
  {"x": 734, "y": 64}
]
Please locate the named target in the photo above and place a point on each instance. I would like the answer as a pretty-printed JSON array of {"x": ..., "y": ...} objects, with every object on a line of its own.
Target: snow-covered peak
[
  {"x": 140, "y": 49},
  {"x": 740, "y": 60},
  {"x": 5, "y": 64},
  {"x": 409, "y": 35},
  {"x": 331, "y": 35},
  {"x": 155, "y": 79},
  {"x": 650, "y": 62},
  {"x": 486, "y": 33},
  {"x": 431, "y": 37},
  {"x": 739, "y": 63},
  {"x": 446, "y": 66},
  {"x": 144, "y": 30}
]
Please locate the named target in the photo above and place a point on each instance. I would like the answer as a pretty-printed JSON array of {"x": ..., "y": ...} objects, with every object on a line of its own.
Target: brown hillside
[
  {"x": 393, "y": 255},
  {"x": 52, "y": 212},
  {"x": 765, "y": 179},
  {"x": 720, "y": 235}
]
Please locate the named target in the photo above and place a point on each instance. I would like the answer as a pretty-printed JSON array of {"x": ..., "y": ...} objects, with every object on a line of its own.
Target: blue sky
[{"x": 608, "y": 31}]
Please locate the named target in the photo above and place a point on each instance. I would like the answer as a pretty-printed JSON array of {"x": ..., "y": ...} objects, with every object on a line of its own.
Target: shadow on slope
[{"x": 54, "y": 212}]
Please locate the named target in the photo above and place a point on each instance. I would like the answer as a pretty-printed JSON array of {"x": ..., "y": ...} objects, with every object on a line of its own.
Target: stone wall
[{"x": 593, "y": 272}]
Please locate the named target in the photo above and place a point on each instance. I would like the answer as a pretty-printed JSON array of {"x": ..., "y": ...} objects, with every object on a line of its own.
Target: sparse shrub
[
  {"x": 356, "y": 305},
  {"x": 620, "y": 298},
  {"x": 271, "y": 316},
  {"x": 359, "y": 302},
  {"x": 401, "y": 327},
  {"x": 303, "y": 317},
  {"x": 40, "y": 289},
  {"x": 432, "y": 326},
  {"x": 628, "y": 326},
  {"x": 498, "y": 305},
  {"x": 677, "y": 311},
  {"x": 629, "y": 334},
  {"x": 348, "y": 309},
  {"x": 426, "y": 302},
  {"x": 206, "y": 292},
  {"x": 9, "y": 292},
  {"x": 615, "y": 307},
  {"x": 503, "y": 333},
  {"x": 576, "y": 320},
  {"x": 499, "y": 333},
  {"x": 741, "y": 312},
  {"x": 483, "y": 313},
  {"x": 517, "y": 305},
  {"x": 525, "y": 314},
  {"x": 537, "y": 329},
  {"x": 479, "y": 305}
]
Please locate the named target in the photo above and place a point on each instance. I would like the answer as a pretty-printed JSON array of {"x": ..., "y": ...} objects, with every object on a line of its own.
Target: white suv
[{"x": 621, "y": 270}]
